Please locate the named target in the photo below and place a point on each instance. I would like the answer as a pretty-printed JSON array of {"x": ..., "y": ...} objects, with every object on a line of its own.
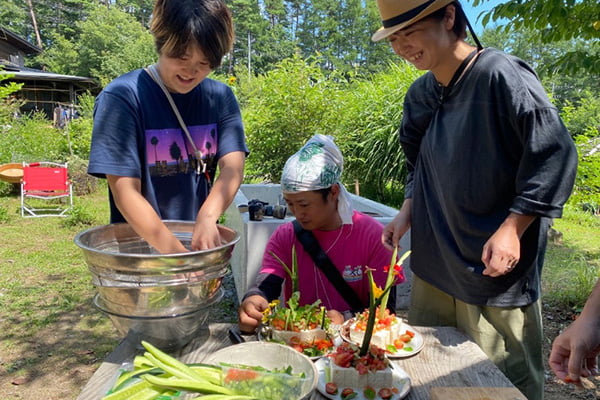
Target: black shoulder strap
[{"x": 311, "y": 246}]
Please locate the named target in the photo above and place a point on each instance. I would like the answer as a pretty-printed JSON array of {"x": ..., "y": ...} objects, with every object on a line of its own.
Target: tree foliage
[
  {"x": 296, "y": 100},
  {"x": 528, "y": 45},
  {"x": 556, "y": 20},
  {"x": 109, "y": 43},
  {"x": 309, "y": 66},
  {"x": 267, "y": 32}
]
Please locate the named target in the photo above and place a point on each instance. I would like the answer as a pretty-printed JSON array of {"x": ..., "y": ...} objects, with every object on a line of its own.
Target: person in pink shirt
[{"x": 313, "y": 192}]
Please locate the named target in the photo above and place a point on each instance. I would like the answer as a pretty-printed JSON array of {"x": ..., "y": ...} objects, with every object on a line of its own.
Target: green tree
[
  {"x": 528, "y": 45},
  {"x": 9, "y": 104},
  {"x": 110, "y": 43},
  {"x": 556, "y": 20}
]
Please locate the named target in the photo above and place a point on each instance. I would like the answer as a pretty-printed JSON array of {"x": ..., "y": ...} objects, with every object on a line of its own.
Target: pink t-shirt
[{"x": 351, "y": 248}]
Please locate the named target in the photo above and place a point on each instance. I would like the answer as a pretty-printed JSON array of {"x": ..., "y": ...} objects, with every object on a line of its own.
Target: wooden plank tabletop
[{"x": 448, "y": 359}]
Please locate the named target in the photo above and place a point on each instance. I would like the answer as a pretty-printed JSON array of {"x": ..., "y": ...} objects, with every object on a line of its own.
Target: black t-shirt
[{"x": 494, "y": 145}]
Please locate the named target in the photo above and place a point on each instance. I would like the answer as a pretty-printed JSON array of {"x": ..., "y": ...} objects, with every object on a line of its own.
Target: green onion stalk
[
  {"x": 293, "y": 272},
  {"x": 373, "y": 304}
]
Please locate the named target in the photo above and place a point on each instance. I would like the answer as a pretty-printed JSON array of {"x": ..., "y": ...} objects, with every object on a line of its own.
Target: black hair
[
  {"x": 324, "y": 192},
  {"x": 460, "y": 19},
  {"x": 177, "y": 24}
]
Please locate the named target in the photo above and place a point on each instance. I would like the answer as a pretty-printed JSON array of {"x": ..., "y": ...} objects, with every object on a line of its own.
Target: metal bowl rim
[{"x": 79, "y": 243}]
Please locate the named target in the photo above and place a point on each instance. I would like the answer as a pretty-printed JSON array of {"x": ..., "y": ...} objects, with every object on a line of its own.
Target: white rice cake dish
[
  {"x": 381, "y": 339},
  {"x": 307, "y": 336},
  {"x": 349, "y": 377}
]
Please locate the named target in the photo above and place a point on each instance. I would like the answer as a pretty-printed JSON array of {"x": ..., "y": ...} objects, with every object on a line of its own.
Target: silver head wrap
[{"x": 317, "y": 165}]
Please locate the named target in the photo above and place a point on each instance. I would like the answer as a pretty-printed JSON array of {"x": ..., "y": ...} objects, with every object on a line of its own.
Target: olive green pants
[{"x": 511, "y": 337}]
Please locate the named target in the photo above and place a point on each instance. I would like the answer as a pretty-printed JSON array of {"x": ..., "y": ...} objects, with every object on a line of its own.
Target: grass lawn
[
  {"x": 572, "y": 266},
  {"x": 49, "y": 328}
]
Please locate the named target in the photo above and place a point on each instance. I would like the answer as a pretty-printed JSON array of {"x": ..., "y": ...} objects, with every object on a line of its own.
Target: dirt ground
[{"x": 61, "y": 361}]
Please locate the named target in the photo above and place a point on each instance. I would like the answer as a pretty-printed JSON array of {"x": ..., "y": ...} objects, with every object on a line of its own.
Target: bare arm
[
  {"x": 136, "y": 210},
  {"x": 231, "y": 173}
]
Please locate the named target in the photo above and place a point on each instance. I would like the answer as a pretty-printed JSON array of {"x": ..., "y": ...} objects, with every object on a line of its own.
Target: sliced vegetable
[
  {"x": 369, "y": 393},
  {"x": 348, "y": 393},
  {"x": 170, "y": 361},
  {"x": 385, "y": 393},
  {"x": 331, "y": 388},
  {"x": 157, "y": 375},
  {"x": 128, "y": 392},
  {"x": 187, "y": 384}
]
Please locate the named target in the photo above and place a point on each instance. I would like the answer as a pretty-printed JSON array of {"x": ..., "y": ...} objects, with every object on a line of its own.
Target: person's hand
[
  {"x": 205, "y": 236},
  {"x": 250, "y": 313},
  {"x": 575, "y": 351},
  {"x": 335, "y": 317},
  {"x": 393, "y": 232},
  {"x": 501, "y": 252}
]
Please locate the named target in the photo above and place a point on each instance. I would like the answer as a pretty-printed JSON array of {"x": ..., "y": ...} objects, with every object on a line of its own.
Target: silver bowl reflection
[
  {"x": 167, "y": 332},
  {"x": 158, "y": 299}
]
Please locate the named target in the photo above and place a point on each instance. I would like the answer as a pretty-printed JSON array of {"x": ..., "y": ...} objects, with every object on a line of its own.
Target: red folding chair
[{"x": 46, "y": 190}]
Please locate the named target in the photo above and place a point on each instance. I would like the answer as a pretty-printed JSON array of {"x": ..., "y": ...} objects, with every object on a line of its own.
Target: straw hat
[{"x": 398, "y": 14}]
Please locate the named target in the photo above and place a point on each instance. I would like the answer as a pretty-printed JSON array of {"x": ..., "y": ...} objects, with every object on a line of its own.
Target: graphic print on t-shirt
[
  {"x": 353, "y": 273},
  {"x": 169, "y": 152}
]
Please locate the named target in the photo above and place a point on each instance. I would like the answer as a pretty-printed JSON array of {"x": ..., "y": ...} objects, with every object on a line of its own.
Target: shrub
[
  {"x": 32, "y": 138},
  {"x": 82, "y": 182},
  {"x": 80, "y": 215},
  {"x": 369, "y": 128},
  {"x": 296, "y": 100},
  {"x": 283, "y": 109}
]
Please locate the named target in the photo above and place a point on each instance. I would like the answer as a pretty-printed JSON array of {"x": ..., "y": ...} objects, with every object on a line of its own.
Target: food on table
[
  {"x": 347, "y": 369},
  {"x": 387, "y": 332},
  {"x": 301, "y": 327},
  {"x": 364, "y": 369},
  {"x": 157, "y": 375}
]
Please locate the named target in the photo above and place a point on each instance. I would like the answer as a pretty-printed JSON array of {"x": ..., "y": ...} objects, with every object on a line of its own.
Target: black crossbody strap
[{"x": 311, "y": 246}]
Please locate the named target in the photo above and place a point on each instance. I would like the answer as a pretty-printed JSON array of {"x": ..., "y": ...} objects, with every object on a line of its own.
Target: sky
[{"x": 473, "y": 12}]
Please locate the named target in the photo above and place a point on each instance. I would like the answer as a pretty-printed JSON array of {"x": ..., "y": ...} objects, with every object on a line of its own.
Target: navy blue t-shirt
[{"x": 136, "y": 134}]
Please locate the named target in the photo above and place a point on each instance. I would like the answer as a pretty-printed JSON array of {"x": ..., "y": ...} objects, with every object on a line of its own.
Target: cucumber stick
[{"x": 187, "y": 384}]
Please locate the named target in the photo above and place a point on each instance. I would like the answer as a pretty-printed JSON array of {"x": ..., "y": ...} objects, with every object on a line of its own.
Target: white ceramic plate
[
  {"x": 400, "y": 378},
  {"x": 411, "y": 348}
]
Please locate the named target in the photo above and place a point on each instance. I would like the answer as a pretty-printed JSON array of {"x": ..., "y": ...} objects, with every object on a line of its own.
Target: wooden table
[{"x": 448, "y": 359}]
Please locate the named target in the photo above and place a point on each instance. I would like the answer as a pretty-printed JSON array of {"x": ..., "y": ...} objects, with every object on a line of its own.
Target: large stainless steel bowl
[
  {"x": 136, "y": 285},
  {"x": 155, "y": 299},
  {"x": 114, "y": 250},
  {"x": 134, "y": 280},
  {"x": 166, "y": 332}
]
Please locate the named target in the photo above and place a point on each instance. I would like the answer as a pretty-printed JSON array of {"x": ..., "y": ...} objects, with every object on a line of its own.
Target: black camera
[{"x": 259, "y": 209}]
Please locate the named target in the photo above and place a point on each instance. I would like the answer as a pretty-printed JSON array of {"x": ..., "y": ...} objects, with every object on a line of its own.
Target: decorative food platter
[
  {"x": 410, "y": 348},
  {"x": 401, "y": 382},
  {"x": 335, "y": 340}
]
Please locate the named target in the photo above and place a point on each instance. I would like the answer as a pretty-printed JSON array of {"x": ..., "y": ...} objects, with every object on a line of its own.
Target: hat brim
[{"x": 382, "y": 33}]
